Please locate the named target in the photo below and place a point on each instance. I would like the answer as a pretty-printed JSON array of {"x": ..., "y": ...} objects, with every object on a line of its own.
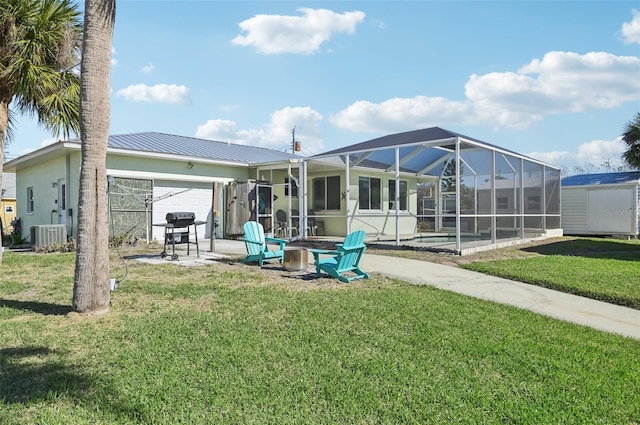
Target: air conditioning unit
[{"x": 48, "y": 234}]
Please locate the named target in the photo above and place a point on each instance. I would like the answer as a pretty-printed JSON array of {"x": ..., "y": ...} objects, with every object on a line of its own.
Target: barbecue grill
[{"x": 179, "y": 220}]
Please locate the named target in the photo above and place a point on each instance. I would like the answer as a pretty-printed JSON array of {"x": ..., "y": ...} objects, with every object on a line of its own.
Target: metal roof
[
  {"x": 193, "y": 147},
  {"x": 399, "y": 139},
  {"x": 602, "y": 178}
]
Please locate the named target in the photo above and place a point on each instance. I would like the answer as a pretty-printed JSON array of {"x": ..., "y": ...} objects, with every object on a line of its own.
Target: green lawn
[
  {"x": 228, "y": 343},
  {"x": 603, "y": 269}
]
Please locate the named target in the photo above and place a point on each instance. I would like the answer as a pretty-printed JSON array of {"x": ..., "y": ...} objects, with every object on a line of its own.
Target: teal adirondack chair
[
  {"x": 344, "y": 262},
  {"x": 258, "y": 246}
]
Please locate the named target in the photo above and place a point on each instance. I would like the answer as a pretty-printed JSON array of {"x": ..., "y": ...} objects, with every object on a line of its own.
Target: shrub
[{"x": 69, "y": 246}]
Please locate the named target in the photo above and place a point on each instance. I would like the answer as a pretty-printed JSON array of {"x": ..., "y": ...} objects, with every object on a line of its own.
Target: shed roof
[
  {"x": 195, "y": 147},
  {"x": 602, "y": 178}
]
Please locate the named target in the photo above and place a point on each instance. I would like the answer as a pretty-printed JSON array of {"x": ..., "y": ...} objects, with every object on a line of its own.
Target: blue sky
[{"x": 556, "y": 80}]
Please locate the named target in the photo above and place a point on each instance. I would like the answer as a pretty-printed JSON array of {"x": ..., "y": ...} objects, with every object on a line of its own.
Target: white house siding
[
  {"x": 173, "y": 196},
  {"x": 574, "y": 210},
  {"x": 45, "y": 194},
  {"x": 637, "y": 214}
]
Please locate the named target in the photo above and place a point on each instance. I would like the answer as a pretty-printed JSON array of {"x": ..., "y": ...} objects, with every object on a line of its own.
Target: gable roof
[
  {"x": 425, "y": 152},
  {"x": 432, "y": 134},
  {"x": 160, "y": 144},
  {"x": 602, "y": 178}
]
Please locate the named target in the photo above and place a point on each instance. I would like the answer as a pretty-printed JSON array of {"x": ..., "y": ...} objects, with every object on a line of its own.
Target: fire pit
[{"x": 296, "y": 259}]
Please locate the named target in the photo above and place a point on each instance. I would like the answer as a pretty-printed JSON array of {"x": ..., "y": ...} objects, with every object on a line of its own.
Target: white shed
[{"x": 605, "y": 204}]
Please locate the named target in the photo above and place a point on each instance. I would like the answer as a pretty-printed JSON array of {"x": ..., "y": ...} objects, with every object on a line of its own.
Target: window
[
  {"x": 403, "y": 195},
  {"x": 369, "y": 193},
  {"x": 449, "y": 208},
  {"x": 502, "y": 203},
  {"x": 30, "y": 202},
  {"x": 294, "y": 187},
  {"x": 63, "y": 196},
  {"x": 533, "y": 203},
  {"x": 326, "y": 193}
]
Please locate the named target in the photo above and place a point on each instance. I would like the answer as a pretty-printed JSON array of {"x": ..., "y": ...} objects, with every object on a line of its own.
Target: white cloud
[
  {"x": 274, "y": 34},
  {"x": 147, "y": 69},
  {"x": 561, "y": 82},
  {"x": 275, "y": 135},
  {"x": 160, "y": 93},
  {"x": 399, "y": 113},
  {"x": 631, "y": 30},
  {"x": 114, "y": 61},
  {"x": 219, "y": 130},
  {"x": 594, "y": 152}
]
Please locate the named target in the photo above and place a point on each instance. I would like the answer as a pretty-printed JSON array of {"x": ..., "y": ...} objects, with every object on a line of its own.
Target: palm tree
[
  {"x": 91, "y": 289},
  {"x": 631, "y": 137},
  {"x": 39, "y": 45}
]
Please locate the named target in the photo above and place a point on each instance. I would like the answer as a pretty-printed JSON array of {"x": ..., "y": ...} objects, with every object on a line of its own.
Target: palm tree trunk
[
  {"x": 91, "y": 291},
  {"x": 4, "y": 125}
]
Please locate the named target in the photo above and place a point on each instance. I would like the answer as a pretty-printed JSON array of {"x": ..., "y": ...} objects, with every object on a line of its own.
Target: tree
[
  {"x": 91, "y": 290},
  {"x": 631, "y": 137},
  {"x": 39, "y": 45}
]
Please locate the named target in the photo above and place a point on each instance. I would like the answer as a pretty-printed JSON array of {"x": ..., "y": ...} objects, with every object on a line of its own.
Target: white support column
[
  {"x": 302, "y": 197},
  {"x": 397, "y": 197},
  {"x": 347, "y": 197},
  {"x": 543, "y": 201},
  {"x": 289, "y": 205},
  {"x": 521, "y": 198},
  {"x": 494, "y": 219},
  {"x": 458, "y": 188}
]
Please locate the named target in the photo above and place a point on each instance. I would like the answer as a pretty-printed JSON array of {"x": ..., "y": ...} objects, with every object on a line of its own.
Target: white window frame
[
  {"x": 405, "y": 198},
  {"x": 502, "y": 203},
  {"x": 368, "y": 206},
  {"x": 30, "y": 200},
  {"x": 328, "y": 191}
]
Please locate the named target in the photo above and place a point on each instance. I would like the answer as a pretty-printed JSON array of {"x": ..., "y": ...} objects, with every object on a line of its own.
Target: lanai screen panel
[
  {"x": 552, "y": 198},
  {"x": 533, "y": 198},
  {"x": 476, "y": 195},
  {"x": 508, "y": 199}
]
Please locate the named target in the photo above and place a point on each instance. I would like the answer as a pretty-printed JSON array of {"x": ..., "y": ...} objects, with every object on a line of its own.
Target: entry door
[{"x": 62, "y": 202}]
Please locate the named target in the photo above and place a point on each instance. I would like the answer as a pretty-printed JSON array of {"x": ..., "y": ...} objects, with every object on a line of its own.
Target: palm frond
[
  {"x": 631, "y": 137},
  {"x": 40, "y": 41}
]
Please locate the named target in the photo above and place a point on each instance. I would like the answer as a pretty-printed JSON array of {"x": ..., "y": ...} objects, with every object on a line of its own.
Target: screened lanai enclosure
[{"x": 430, "y": 188}]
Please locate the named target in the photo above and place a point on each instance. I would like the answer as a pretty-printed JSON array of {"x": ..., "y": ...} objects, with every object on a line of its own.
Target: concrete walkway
[{"x": 583, "y": 311}]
